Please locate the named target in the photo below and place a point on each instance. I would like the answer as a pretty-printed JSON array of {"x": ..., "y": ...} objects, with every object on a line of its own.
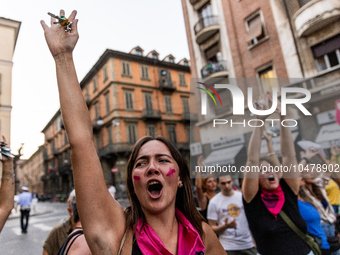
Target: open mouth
[
  {"x": 155, "y": 189},
  {"x": 271, "y": 177}
]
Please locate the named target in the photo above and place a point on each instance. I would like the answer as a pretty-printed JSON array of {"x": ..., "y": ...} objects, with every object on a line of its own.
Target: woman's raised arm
[{"x": 102, "y": 218}]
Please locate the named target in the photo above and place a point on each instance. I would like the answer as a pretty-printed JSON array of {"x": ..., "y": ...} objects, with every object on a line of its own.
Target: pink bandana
[
  {"x": 189, "y": 241},
  {"x": 273, "y": 200}
]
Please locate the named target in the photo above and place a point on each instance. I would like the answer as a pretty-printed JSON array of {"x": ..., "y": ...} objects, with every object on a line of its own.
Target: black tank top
[
  {"x": 75, "y": 234},
  {"x": 135, "y": 247},
  {"x": 204, "y": 212}
]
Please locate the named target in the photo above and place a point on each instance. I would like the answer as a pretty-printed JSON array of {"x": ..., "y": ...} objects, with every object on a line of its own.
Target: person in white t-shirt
[
  {"x": 227, "y": 218},
  {"x": 112, "y": 190}
]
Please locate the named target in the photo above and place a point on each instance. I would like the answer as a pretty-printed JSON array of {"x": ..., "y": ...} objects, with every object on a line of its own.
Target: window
[
  {"x": 107, "y": 102},
  {"x": 94, "y": 84},
  {"x": 255, "y": 29},
  {"x": 98, "y": 141},
  {"x": 145, "y": 72},
  {"x": 105, "y": 73},
  {"x": 132, "y": 133},
  {"x": 171, "y": 60},
  {"x": 171, "y": 129},
  {"x": 182, "y": 82},
  {"x": 65, "y": 138},
  {"x": 303, "y": 2},
  {"x": 126, "y": 69},
  {"x": 148, "y": 102},
  {"x": 185, "y": 102},
  {"x": 154, "y": 56},
  {"x": 267, "y": 77},
  {"x": 327, "y": 54},
  {"x": 185, "y": 63},
  {"x": 151, "y": 130},
  {"x": 138, "y": 52},
  {"x": 128, "y": 95},
  {"x": 168, "y": 105},
  {"x": 87, "y": 95},
  {"x": 96, "y": 111},
  {"x": 165, "y": 78},
  {"x": 109, "y": 133},
  {"x": 187, "y": 132},
  {"x": 206, "y": 14}
]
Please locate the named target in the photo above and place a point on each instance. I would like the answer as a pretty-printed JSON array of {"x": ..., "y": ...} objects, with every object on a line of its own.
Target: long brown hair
[{"x": 184, "y": 197}]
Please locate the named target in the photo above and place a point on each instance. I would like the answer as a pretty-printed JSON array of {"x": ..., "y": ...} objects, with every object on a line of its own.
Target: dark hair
[
  {"x": 184, "y": 197},
  {"x": 267, "y": 159}
]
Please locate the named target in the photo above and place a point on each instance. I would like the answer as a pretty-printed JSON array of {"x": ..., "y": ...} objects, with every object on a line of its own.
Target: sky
[{"x": 118, "y": 25}]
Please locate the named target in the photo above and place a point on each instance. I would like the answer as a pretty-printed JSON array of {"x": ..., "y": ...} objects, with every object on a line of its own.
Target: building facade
[
  {"x": 265, "y": 45},
  {"x": 129, "y": 95},
  {"x": 31, "y": 172},
  {"x": 9, "y": 31}
]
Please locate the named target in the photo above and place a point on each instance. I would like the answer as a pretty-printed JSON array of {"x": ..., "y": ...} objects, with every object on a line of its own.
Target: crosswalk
[{"x": 42, "y": 224}]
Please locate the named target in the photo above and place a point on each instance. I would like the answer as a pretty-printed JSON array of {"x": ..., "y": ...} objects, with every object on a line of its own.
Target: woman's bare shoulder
[{"x": 211, "y": 242}]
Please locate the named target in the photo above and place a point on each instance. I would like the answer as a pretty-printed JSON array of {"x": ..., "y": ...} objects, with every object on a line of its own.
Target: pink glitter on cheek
[
  {"x": 171, "y": 172},
  {"x": 136, "y": 177}
]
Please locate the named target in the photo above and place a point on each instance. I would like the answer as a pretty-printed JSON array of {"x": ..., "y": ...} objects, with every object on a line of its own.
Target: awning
[
  {"x": 328, "y": 134},
  {"x": 276, "y": 144},
  {"x": 223, "y": 156}
]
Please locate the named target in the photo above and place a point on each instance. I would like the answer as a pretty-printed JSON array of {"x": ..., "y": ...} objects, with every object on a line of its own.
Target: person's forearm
[
  {"x": 7, "y": 186},
  {"x": 253, "y": 154},
  {"x": 219, "y": 229},
  {"x": 287, "y": 145},
  {"x": 72, "y": 104}
]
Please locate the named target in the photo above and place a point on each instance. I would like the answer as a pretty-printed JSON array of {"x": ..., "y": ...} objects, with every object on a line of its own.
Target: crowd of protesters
[{"x": 292, "y": 213}]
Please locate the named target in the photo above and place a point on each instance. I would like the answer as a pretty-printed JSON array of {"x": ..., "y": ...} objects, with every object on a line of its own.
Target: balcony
[
  {"x": 113, "y": 148},
  {"x": 167, "y": 86},
  {"x": 215, "y": 70},
  {"x": 151, "y": 115},
  {"x": 206, "y": 28},
  {"x": 322, "y": 86},
  {"x": 187, "y": 117},
  {"x": 65, "y": 169},
  {"x": 316, "y": 15},
  {"x": 55, "y": 151}
]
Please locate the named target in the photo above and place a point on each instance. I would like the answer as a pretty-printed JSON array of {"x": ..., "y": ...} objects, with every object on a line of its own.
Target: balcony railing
[
  {"x": 115, "y": 148},
  {"x": 167, "y": 86},
  {"x": 205, "y": 22},
  {"x": 212, "y": 67},
  {"x": 187, "y": 117},
  {"x": 148, "y": 114}
]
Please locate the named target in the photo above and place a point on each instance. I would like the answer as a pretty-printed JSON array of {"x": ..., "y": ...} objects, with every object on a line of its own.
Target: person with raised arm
[
  {"x": 162, "y": 218},
  {"x": 7, "y": 185},
  {"x": 265, "y": 195},
  {"x": 205, "y": 188}
]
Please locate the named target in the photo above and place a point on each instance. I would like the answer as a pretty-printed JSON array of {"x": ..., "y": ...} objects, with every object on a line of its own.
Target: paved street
[{"x": 47, "y": 216}]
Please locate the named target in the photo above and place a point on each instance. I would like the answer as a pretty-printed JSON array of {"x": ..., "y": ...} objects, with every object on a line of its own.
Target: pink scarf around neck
[
  {"x": 189, "y": 240},
  {"x": 273, "y": 200}
]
